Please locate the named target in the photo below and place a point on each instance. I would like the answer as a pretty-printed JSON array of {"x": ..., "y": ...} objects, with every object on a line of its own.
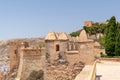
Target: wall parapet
[
  {"x": 88, "y": 73},
  {"x": 111, "y": 59},
  {"x": 92, "y": 75},
  {"x": 27, "y": 52}
]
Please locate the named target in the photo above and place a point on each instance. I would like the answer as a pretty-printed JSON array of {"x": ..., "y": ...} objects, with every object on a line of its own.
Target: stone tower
[
  {"x": 55, "y": 43},
  {"x": 63, "y": 38},
  {"x": 88, "y": 23}
]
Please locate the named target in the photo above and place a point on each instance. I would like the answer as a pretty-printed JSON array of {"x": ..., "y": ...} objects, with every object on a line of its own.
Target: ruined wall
[
  {"x": 87, "y": 53},
  {"x": 31, "y": 52},
  {"x": 73, "y": 57},
  {"x": 34, "y": 61},
  {"x": 63, "y": 45},
  {"x": 30, "y": 64},
  {"x": 14, "y": 52},
  {"x": 50, "y": 51}
]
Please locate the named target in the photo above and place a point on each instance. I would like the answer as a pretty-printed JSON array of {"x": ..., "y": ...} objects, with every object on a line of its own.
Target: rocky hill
[
  {"x": 4, "y": 44},
  {"x": 4, "y": 48}
]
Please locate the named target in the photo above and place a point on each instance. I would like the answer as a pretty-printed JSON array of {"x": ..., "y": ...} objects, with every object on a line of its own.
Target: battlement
[
  {"x": 14, "y": 43},
  {"x": 17, "y": 48},
  {"x": 30, "y": 59},
  {"x": 30, "y": 52},
  {"x": 88, "y": 23}
]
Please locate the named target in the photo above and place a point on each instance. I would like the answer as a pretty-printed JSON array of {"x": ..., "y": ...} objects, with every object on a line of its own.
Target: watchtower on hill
[{"x": 88, "y": 23}]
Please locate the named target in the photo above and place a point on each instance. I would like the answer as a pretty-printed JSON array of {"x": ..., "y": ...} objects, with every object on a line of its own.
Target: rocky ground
[
  {"x": 4, "y": 59},
  {"x": 63, "y": 71},
  {"x": 4, "y": 66}
]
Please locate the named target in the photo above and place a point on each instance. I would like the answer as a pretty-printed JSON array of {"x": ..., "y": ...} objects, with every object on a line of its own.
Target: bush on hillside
[{"x": 36, "y": 75}]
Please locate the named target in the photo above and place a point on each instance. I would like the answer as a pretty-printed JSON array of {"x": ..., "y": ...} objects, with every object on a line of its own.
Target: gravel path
[{"x": 108, "y": 70}]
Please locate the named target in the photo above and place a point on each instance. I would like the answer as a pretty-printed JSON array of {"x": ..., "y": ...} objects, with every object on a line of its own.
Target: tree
[
  {"x": 110, "y": 38},
  {"x": 102, "y": 41},
  {"x": 95, "y": 28},
  {"x": 75, "y": 34},
  {"x": 117, "y": 44}
]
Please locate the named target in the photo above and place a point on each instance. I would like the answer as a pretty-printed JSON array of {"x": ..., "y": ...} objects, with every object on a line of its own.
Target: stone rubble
[
  {"x": 4, "y": 66},
  {"x": 63, "y": 71}
]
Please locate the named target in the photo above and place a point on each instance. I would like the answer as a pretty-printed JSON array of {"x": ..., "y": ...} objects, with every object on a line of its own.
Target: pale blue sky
[{"x": 35, "y": 18}]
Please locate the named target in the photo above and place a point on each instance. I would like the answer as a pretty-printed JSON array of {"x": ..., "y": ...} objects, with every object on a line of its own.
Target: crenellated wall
[
  {"x": 25, "y": 59},
  {"x": 33, "y": 60},
  {"x": 14, "y": 53}
]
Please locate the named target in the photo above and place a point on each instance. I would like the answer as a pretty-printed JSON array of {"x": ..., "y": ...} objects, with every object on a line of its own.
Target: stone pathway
[{"x": 108, "y": 70}]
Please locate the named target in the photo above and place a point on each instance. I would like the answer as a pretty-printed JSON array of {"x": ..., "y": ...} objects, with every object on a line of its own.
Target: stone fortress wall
[
  {"x": 25, "y": 59},
  {"x": 60, "y": 48},
  {"x": 90, "y": 23},
  {"x": 34, "y": 61}
]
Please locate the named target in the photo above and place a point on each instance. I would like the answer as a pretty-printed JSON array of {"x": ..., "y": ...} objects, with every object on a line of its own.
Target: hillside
[
  {"x": 4, "y": 48},
  {"x": 4, "y": 44}
]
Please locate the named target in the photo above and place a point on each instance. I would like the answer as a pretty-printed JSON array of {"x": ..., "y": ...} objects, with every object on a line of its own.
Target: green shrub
[
  {"x": 102, "y": 55},
  {"x": 36, "y": 75},
  {"x": 75, "y": 34}
]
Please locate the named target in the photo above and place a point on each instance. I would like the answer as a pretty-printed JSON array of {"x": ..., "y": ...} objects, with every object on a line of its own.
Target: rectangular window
[{"x": 57, "y": 47}]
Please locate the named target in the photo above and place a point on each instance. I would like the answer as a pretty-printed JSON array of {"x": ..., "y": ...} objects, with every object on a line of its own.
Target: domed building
[{"x": 73, "y": 48}]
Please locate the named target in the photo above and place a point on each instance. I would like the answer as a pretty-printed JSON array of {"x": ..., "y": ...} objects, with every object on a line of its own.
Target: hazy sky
[{"x": 35, "y": 18}]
